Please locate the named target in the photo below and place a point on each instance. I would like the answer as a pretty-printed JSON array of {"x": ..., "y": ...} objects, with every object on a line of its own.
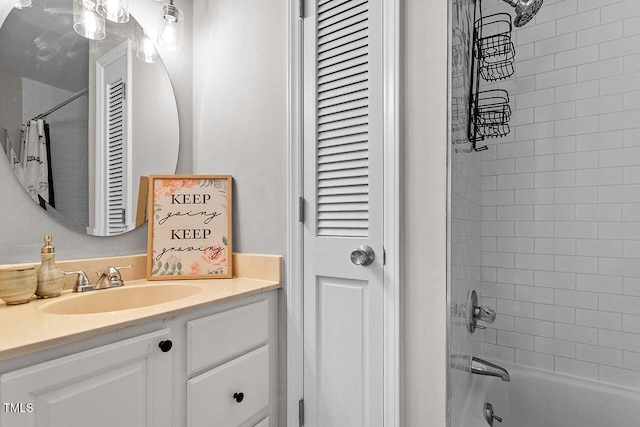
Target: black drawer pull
[
  {"x": 239, "y": 397},
  {"x": 165, "y": 345}
]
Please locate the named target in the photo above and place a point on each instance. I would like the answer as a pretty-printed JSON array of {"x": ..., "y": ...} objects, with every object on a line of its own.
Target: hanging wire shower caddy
[{"x": 492, "y": 60}]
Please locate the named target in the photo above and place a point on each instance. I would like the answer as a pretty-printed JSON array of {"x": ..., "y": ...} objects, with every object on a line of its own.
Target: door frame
[{"x": 293, "y": 286}]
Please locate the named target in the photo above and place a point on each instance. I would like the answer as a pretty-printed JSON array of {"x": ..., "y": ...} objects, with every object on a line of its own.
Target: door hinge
[
  {"x": 301, "y": 209},
  {"x": 384, "y": 256},
  {"x": 301, "y": 8},
  {"x": 301, "y": 412}
]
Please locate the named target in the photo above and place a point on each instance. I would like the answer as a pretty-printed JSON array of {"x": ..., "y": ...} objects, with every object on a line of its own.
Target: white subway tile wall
[{"x": 561, "y": 195}]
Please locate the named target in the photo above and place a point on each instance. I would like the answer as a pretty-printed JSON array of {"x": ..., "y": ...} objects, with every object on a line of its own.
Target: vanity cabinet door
[
  {"x": 231, "y": 394},
  {"x": 127, "y": 383}
]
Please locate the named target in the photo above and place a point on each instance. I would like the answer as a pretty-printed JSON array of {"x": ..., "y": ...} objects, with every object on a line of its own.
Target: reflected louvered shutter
[
  {"x": 116, "y": 157},
  {"x": 342, "y": 118}
]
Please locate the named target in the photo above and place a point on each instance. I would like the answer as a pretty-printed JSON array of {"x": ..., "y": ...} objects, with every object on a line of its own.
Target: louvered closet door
[
  {"x": 343, "y": 302},
  {"x": 113, "y": 180},
  {"x": 117, "y": 200}
]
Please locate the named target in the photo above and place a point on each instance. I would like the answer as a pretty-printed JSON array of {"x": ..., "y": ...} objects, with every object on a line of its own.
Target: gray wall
[{"x": 240, "y": 113}]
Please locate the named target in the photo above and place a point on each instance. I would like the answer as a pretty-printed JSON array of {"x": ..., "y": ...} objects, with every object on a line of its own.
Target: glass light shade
[
  {"x": 114, "y": 10},
  {"x": 86, "y": 20},
  {"x": 171, "y": 27},
  {"x": 22, "y": 4},
  {"x": 145, "y": 49}
]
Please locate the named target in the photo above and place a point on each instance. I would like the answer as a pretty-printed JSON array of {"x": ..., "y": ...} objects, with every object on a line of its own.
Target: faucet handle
[
  {"x": 115, "y": 271},
  {"x": 82, "y": 282},
  {"x": 113, "y": 275},
  {"x": 489, "y": 415}
]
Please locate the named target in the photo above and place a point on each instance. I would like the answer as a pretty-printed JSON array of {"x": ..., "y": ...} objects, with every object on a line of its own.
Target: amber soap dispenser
[{"x": 50, "y": 277}]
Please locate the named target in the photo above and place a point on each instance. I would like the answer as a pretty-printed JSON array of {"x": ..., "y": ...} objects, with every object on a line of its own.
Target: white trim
[
  {"x": 293, "y": 288},
  {"x": 100, "y": 222},
  {"x": 393, "y": 410},
  {"x": 393, "y": 389}
]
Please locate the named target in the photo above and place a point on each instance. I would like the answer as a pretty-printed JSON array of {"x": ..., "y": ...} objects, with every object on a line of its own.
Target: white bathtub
[{"x": 536, "y": 398}]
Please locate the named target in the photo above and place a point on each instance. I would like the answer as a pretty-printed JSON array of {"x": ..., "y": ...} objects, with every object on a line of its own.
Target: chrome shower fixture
[{"x": 525, "y": 10}]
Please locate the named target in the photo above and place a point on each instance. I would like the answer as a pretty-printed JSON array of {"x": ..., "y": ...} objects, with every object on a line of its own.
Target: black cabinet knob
[
  {"x": 165, "y": 345},
  {"x": 239, "y": 397}
]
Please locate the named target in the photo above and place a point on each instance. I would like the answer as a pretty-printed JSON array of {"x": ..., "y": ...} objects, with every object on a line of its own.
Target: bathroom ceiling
[{"x": 39, "y": 43}]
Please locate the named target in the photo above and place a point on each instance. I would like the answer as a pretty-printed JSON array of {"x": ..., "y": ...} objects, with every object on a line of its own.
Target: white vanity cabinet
[
  {"x": 126, "y": 383},
  {"x": 221, "y": 370}
]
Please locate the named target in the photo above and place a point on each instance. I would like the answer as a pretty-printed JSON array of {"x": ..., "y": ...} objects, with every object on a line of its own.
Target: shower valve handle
[
  {"x": 477, "y": 312},
  {"x": 485, "y": 314}
]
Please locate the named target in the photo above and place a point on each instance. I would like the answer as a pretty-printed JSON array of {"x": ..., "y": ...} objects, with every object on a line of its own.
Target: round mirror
[{"x": 84, "y": 122}]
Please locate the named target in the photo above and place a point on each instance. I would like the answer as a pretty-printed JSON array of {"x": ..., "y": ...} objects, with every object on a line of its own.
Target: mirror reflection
[{"x": 83, "y": 121}]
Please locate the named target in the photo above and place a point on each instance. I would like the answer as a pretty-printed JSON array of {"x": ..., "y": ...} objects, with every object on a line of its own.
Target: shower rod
[{"x": 62, "y": 104}]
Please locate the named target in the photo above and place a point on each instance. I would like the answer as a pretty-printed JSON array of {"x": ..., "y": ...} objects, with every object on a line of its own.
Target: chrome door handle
[{"x": 363, "y": 255}]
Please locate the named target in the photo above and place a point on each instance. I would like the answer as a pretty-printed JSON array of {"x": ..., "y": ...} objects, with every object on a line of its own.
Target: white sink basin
[{"x": 116, "y": 299}]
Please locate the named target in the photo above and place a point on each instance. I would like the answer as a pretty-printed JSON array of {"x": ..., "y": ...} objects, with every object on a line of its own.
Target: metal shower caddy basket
[
  {"x": 494, "y": 49},
  {"x": 492, "y": 113}
]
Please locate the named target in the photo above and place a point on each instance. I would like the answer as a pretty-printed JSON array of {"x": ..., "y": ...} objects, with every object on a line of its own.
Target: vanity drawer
[
  {"x": 218, "y": 337},
  {"x": 230, "y": 394}
]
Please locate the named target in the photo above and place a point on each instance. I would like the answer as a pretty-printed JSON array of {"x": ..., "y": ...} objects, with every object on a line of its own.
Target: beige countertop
[{"x": 26, "y": 328}]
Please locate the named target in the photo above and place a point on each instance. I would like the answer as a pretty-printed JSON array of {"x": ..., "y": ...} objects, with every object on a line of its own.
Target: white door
[{"x": 343, "y": 177}]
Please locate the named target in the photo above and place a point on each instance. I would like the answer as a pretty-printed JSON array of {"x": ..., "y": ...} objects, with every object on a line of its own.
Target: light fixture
[
  {"x": 86, "y": 21},
  {"x": 22, "y": 4},
  {"x": 114, "y": 10},
  {"x": 171, "y": 27},
  {"x": 145, "y": 49},
  {"x": 89, "y": 21}
]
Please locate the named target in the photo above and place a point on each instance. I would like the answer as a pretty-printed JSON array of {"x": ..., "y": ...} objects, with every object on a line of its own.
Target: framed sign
[{"x": 189, "y": 227}]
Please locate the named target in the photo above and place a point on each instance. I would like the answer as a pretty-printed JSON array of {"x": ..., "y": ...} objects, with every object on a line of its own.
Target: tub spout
[{"x": 482, "y": 367}]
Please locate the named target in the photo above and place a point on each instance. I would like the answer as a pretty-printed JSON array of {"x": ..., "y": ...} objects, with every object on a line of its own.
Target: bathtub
[{"x": 537, "y": 398}]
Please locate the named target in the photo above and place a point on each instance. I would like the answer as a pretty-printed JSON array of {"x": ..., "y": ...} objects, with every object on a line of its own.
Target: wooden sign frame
[{"x": 189, "y": 227}]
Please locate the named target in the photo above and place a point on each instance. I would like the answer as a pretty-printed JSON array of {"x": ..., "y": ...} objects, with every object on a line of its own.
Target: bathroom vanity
[{"x": 208, "y": 358}]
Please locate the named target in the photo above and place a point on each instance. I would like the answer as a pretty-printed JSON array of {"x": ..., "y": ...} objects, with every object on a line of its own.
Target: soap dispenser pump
[{"x": 50, "y": 277}]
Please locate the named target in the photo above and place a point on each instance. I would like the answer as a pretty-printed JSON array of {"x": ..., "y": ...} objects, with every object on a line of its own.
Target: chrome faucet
[
  {"x": 110, "y": 279},
  {"x": 482, "y": 367}
]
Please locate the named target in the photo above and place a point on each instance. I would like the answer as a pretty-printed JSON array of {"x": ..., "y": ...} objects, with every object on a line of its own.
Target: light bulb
[
  {"x": 114, "y": 10},
  {"x": 86, "y": 20},
  {"x": 145, "y": 49},
  {"x": 171, "y": 27}
]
